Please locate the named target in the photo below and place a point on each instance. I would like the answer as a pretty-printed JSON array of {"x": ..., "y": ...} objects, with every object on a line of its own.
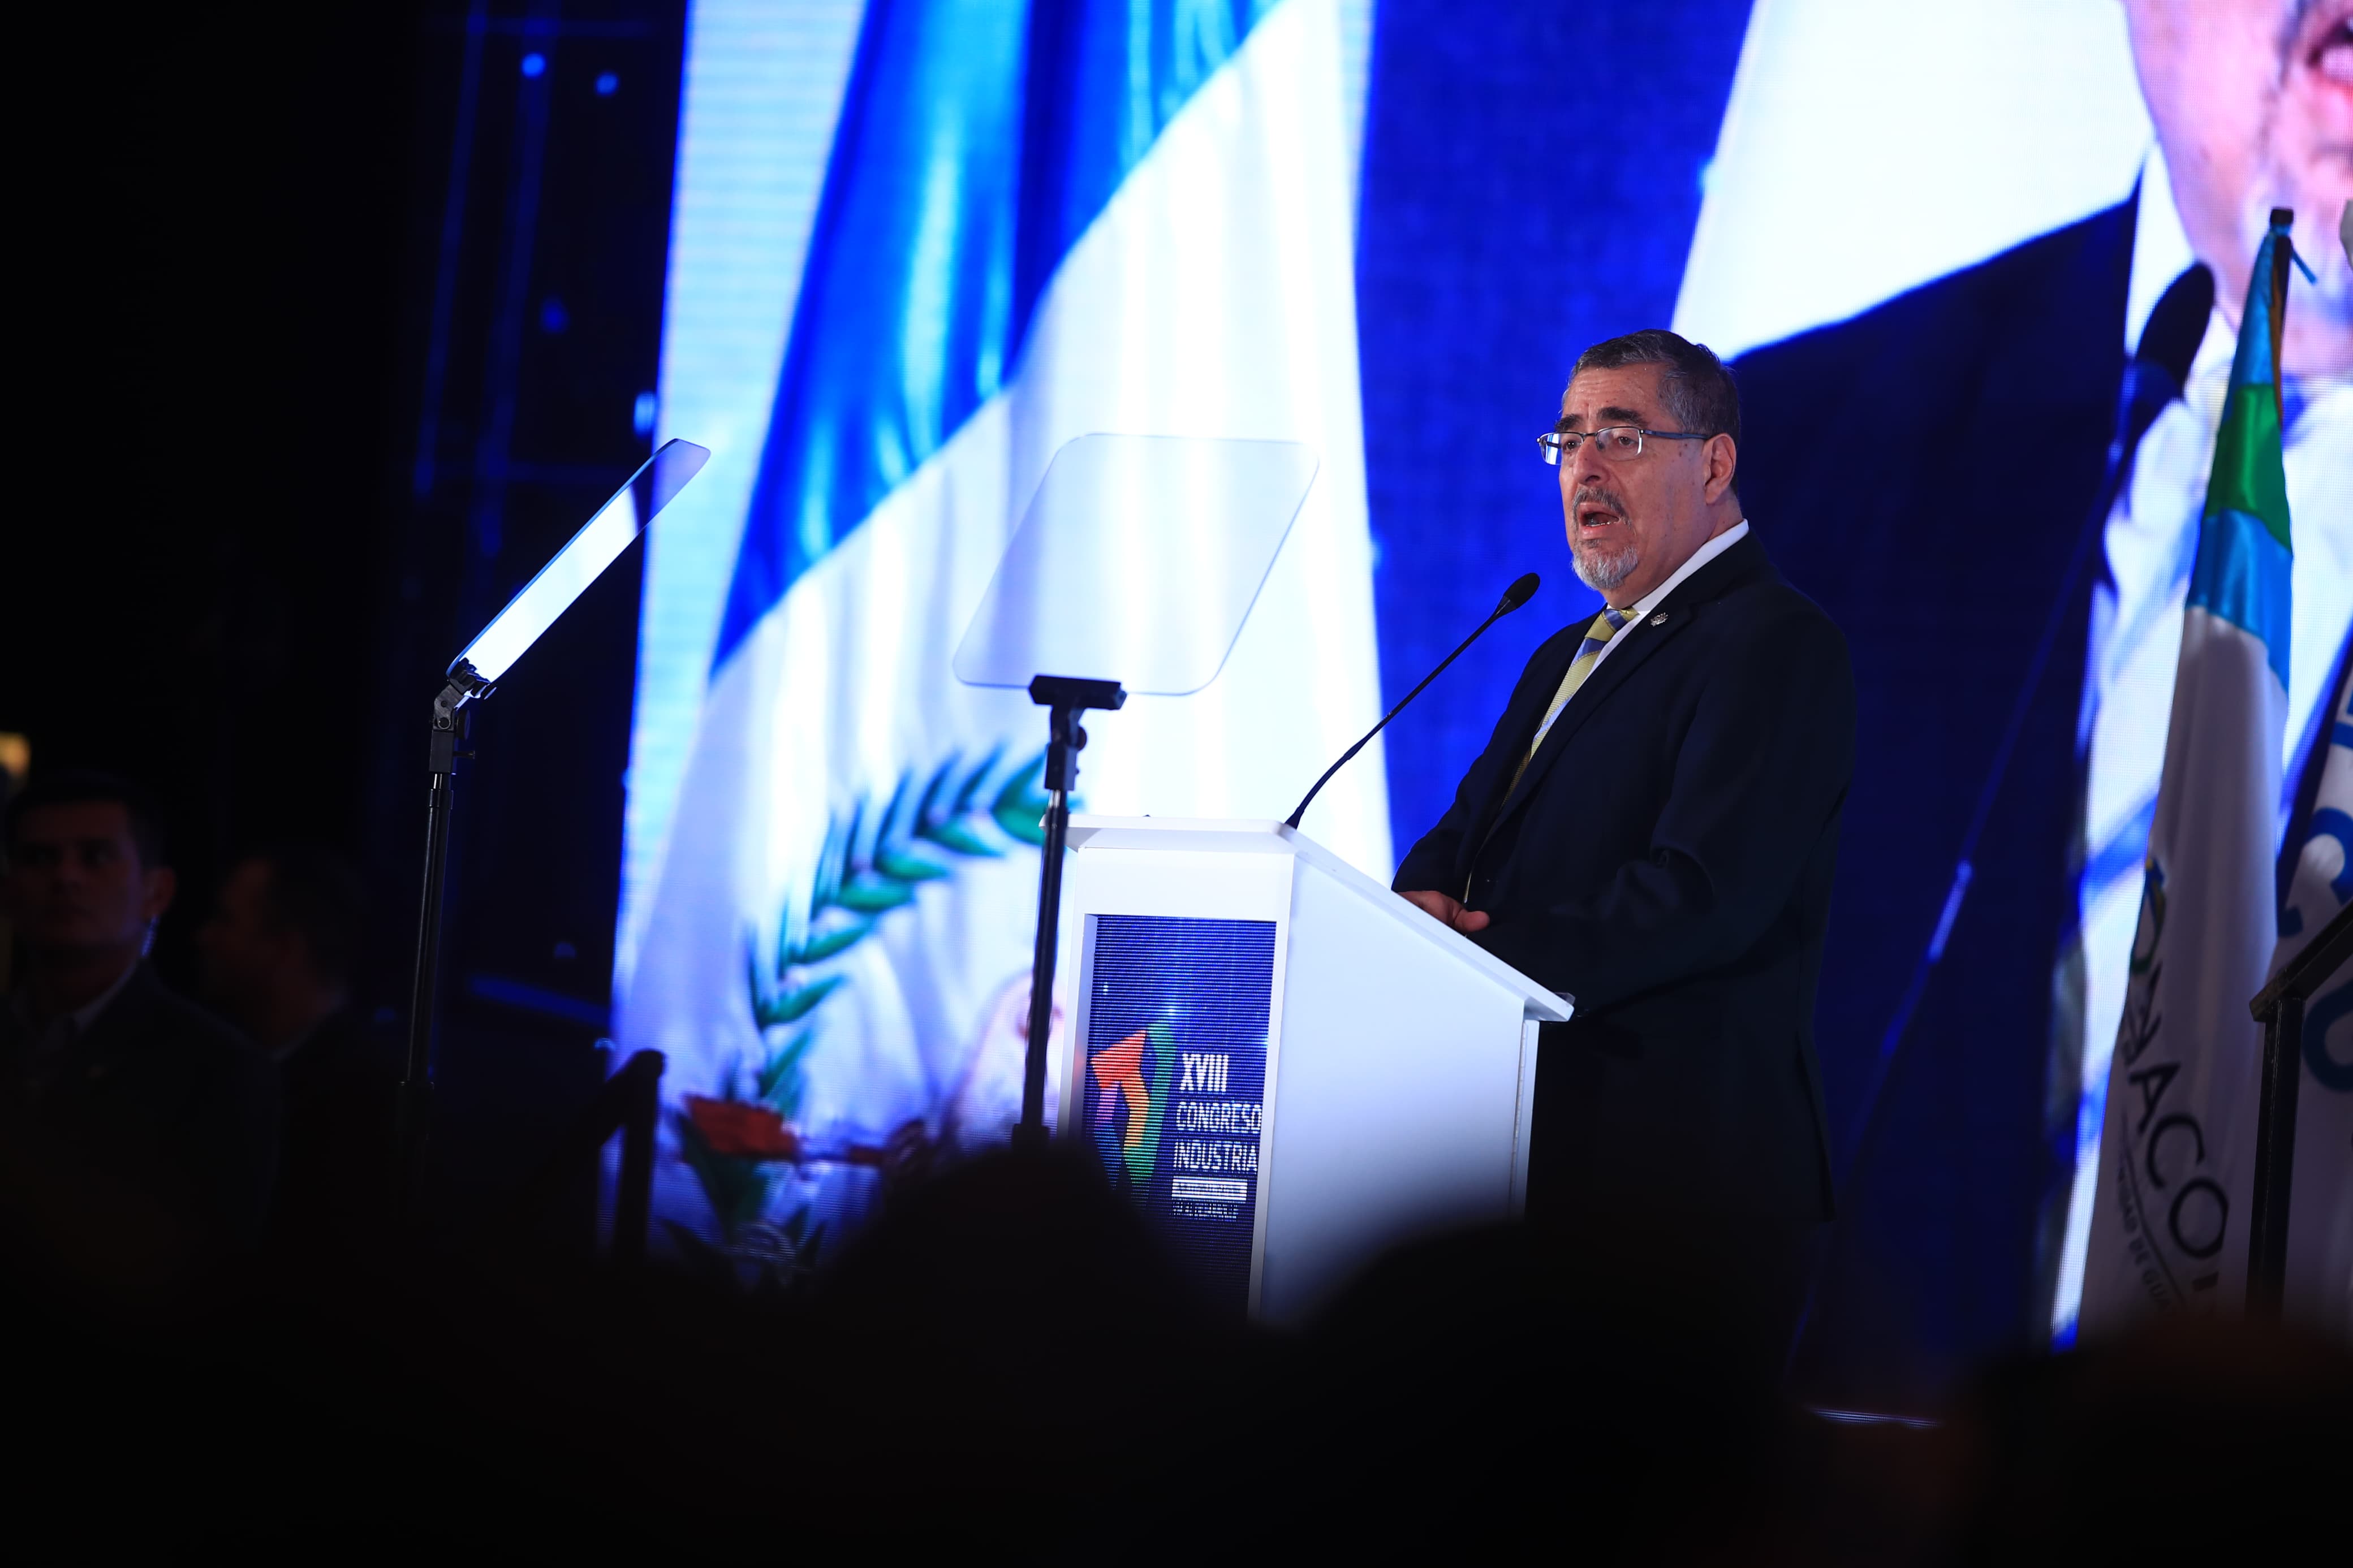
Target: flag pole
[{"x": 2279, "y": 1007}]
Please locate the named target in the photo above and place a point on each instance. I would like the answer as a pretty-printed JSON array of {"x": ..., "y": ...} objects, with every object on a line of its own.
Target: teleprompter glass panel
[
  {"x": 1173, "y": 1089},
  {"x": 1138, "y": 561}
]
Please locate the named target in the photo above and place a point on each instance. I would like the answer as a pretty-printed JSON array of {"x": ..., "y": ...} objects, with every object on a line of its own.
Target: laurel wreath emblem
[{"x": 870, "y": 865}]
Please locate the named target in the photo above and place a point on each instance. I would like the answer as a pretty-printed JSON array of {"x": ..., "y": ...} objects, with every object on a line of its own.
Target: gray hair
[{"x": 1697, "y": 386}]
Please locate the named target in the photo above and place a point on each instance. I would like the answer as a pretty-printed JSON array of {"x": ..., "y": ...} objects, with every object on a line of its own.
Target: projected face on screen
[{"x": 2253, "y": 101}]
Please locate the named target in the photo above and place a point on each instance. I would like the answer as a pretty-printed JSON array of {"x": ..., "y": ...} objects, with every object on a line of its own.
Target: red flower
[
  {"x": 742, "y": 1132},
  {"x": 906, "y": 1157}
]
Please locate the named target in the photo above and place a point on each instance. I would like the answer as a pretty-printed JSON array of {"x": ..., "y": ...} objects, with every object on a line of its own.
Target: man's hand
[{"x": 1450, "y": 910}]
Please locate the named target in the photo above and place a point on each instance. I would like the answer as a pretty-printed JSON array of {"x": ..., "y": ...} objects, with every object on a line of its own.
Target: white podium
[{"x": 1289, "y": 1068}]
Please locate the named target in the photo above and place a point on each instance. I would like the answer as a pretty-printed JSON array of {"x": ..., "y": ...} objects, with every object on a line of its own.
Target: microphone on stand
[{"x": 1518, "y": 594}]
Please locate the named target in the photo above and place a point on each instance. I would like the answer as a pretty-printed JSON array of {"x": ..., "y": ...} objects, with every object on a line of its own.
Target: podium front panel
[
  {"x": 1287, "y": 1068},
  {"x": 1177, "y": 1005},
  {"x": 1396, "y": 1100},
  {"x": 1173, "y": 1092}
]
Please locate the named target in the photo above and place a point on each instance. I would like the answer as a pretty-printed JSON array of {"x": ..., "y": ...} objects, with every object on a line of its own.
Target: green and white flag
[{"x": 2176, "y": 1149}]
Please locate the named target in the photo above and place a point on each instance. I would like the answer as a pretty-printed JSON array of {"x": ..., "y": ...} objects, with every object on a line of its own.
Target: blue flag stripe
[
  {"x": 2251, "y": 362},
  {"x": 978, "y": 139},
  {"x": 2244, "y": 578}
]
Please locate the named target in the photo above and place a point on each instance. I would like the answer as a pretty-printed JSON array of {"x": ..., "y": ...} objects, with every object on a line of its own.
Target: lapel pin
[{"x": 1660, "y": 619}]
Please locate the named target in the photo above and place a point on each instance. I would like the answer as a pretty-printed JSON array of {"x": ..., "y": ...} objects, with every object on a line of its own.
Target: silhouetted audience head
[
  {"x": 1596, "y": 1395},
  {"x": 86, "y": 884},
  {"x": 138, "y": 1134},
  {"x": 280, "y": 951},
  {"x": 2207, "y": 1439},
  {"x": 280, "y": 943},
  {"x": 1006, "y": 1354}
]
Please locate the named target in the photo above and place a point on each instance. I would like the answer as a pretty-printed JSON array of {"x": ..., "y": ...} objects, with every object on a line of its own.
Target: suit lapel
[
  {"x": 1521, "y": 720},
  {"x": 1644, "y": 637}
]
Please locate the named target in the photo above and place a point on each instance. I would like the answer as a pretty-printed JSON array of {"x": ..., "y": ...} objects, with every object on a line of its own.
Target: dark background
[{"x": 343, "y": 327}]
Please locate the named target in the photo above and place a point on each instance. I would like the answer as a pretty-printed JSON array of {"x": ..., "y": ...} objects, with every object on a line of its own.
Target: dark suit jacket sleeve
[
  {"x": 1759, "y": 777},
  {"x": 1432, "y": 862},
  {"x": 248, "y": 1112}
]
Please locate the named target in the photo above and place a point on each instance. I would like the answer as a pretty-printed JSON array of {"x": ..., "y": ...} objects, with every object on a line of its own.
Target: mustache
[{"x": 1597, "y": 495}]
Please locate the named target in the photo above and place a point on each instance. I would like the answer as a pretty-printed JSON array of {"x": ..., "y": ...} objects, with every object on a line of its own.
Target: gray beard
[{"x": 1602, "y": 570}]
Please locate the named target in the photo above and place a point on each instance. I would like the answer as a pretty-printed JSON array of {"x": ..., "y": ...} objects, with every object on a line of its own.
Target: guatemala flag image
[
  {"x": 2176, "y": 1146},
  {"x": 1037, "y": 222}
]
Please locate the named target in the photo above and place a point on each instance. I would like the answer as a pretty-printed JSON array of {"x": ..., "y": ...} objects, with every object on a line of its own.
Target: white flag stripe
[
  {"x": 762, "y": 87},
  {"x": 1213, "y": 296},
  {"x": 2177, "y": 1148}
]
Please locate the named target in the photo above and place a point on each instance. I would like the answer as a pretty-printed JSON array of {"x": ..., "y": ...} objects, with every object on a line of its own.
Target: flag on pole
[
  {"x": 2176, "y": 1147},
  {"x": 1040, "y": 221}
]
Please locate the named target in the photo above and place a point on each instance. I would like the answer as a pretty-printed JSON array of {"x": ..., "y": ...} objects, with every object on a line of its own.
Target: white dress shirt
[
  {"x": 1643, "y": 607},
  {"x": 1635, "y": 615}
]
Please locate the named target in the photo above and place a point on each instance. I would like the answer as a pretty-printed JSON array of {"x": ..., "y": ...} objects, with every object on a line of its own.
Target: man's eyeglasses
[{"x": 1617, "y": 442}]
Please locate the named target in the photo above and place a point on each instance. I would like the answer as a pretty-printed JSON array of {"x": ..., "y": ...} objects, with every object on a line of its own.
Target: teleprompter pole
[{"x": 1067, "y": 697}]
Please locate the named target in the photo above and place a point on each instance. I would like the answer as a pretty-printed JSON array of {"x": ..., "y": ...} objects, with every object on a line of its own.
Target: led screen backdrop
[
  {"x": 1034, "y": 224},
  {"x": 1933, "y": 236}
]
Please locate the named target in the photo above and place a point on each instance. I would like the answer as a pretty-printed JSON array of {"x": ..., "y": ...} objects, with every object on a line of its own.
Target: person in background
[
  {"x": 138, "y": 1134},
  {"x": 278, "y": 953}
]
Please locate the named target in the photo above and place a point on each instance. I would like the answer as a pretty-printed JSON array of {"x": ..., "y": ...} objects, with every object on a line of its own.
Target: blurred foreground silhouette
[{"x": 1007, "y": 1360}]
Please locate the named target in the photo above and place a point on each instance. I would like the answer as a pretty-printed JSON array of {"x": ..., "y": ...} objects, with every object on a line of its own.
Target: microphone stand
[
  {"x": 1518, "y": 594},
  {"x": 1068, "y": 697}
]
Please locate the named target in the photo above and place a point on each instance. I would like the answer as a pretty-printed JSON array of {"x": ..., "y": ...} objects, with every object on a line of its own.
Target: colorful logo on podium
[
  {"x": 1172, "y": 1088},
  {"x": 1131, "y": 1094}
]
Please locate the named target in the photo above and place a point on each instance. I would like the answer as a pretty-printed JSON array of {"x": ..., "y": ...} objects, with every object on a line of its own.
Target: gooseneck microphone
[{"x": 1518, "y": 594}]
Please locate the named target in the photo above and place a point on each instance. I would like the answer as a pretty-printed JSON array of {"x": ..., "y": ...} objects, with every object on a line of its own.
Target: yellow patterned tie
[{"x": 1588, "y": 654}]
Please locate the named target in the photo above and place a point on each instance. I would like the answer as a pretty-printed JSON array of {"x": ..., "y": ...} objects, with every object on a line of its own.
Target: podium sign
[
  {"x": 1288, "y": 1067},
  {"x": 1175, "y": 1087}
]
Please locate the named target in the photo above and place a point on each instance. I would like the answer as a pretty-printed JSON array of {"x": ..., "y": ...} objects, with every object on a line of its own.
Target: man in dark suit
[
  {"x": 278, "y": 950},
  {"x": 1652, "y": 828},
  {"x": 138, "y": 1134}
]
